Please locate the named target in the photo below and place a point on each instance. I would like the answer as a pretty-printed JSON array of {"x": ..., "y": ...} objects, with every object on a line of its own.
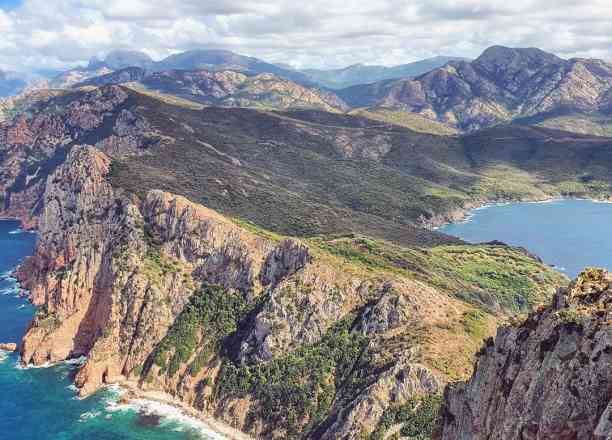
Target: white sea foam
[
  {"x": 169, "y": 414},
  {"x": 68, "y": 362},
  {"x": 32, "y": 367},
  {"x": 76, "y": 361},
  {"x": 89, "y": 415},
  {"x": 16, "y": 231}
]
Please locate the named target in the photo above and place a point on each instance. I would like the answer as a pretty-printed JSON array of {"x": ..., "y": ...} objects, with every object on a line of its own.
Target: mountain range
[
  {"x": 502, "y": 85},
  {"x": 363, "y": 74}
]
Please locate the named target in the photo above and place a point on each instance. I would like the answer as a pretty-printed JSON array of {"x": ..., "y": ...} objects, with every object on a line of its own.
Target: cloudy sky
[{"x": 320, "y": 33}]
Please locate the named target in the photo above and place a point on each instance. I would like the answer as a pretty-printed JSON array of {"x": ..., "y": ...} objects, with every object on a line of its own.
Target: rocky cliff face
[
  {"x": 114, "y": 276},
  {"x": 547, "y": 378},
  {"x": 34, "y": 144}
]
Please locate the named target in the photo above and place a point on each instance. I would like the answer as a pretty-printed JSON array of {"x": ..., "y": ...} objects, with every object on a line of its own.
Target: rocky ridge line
[{"x": 547, "y": 378}]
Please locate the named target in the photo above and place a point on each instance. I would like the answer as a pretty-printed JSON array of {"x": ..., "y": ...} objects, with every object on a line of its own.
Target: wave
[
  {"x": 20, "y": 231},
  {"x": 89, "y": 415},
  {"x": 68, "y": 362},
  {"x": 75, "y": 361},
  {"x": 169, "y": 414},
  {"x": 7, "y": 276}
]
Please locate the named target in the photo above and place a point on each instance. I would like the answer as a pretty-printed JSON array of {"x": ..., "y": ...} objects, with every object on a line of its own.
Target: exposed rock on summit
[{"x": 547, "y": 378}]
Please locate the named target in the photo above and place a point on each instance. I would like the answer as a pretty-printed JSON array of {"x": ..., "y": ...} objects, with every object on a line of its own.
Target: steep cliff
[
  {"x": 547, "y": 378},
  {"x": 278, "y": 337}
]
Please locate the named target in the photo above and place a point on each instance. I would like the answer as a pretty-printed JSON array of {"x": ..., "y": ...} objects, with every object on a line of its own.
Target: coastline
[
  {"x": 462, "y": 214},
  {"x": 140, "y": 400}
]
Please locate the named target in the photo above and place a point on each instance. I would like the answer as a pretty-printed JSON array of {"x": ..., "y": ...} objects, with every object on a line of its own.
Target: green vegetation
[
  {"x": 570, "y": 316},
  {"x": 323, "y": 173},
  {"x": 211, "y": 315},
  {"x": 474, "y": 324},
  {"x": 406, "y": 119},
  {"x": 480, "y": 274},
  {"x": 157, "y": 265},
  {"x": 300, "y": 387},
  {"x": 417, "y": 418}
]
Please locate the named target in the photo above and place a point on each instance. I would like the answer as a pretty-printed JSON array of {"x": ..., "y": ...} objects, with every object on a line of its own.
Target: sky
[{"x": 57, "y": 34}]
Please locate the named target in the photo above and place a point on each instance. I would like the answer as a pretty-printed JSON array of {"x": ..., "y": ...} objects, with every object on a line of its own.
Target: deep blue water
[
  {"x": 40, "y": 404},
  {"x": 570, "y": 234}
]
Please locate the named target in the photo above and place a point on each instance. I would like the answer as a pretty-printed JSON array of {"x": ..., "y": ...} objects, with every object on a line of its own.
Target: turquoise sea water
[
  {"x": 570, "y": 234},
  {"x": 40, "y": 403}
]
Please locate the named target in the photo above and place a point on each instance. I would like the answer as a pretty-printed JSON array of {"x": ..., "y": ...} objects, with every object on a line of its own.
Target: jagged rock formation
[
  {"x": 501, "y": 85},
  {"x": 547, "y": 378},
  {"x": 34, "y": 145},
  {"x": 8, "y": 347}
]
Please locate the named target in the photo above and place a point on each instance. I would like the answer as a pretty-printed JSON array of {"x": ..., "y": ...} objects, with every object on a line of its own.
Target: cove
[
  {"x": 569, "y": 234},
  {"x": 41, "y": 403}
]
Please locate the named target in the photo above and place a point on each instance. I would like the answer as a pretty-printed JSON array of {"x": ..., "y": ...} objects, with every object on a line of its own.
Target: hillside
[
  {"x": 501, "y": 85},
  {"x": 225, "y": 88},
  {"x": 319, "y": 172}
]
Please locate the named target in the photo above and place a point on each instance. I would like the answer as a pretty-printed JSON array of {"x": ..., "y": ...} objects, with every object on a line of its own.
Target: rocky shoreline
[{"x": 462, "y": 214}]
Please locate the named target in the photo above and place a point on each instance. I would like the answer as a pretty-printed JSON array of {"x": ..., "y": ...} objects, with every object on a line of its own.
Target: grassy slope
[{"x": 406, "y": 119}]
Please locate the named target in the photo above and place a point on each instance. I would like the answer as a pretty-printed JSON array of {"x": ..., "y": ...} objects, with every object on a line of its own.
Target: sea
[{"x": 568, "y": 234}]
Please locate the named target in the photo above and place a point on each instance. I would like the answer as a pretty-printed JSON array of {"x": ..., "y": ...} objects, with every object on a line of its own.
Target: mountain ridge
[{"x": 499, "y": 86}]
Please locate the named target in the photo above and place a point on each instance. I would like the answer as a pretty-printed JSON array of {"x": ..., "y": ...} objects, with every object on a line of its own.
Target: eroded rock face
[
  {"x": 8, "y": 347},
  {"x": 33, "y": 146},
  {"x": 549, "y": 378}
]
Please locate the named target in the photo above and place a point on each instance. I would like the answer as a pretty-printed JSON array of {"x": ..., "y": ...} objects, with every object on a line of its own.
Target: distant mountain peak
[
  {"x": 502, "y": 57},
  {"x": 121, "y": 58}
]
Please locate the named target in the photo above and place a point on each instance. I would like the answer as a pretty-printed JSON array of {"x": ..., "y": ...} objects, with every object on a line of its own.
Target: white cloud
[{"x": 318, "y": 33}]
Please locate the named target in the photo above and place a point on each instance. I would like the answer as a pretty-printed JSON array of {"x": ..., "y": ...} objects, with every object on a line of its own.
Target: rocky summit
[{"x": 549, "y": 377}]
